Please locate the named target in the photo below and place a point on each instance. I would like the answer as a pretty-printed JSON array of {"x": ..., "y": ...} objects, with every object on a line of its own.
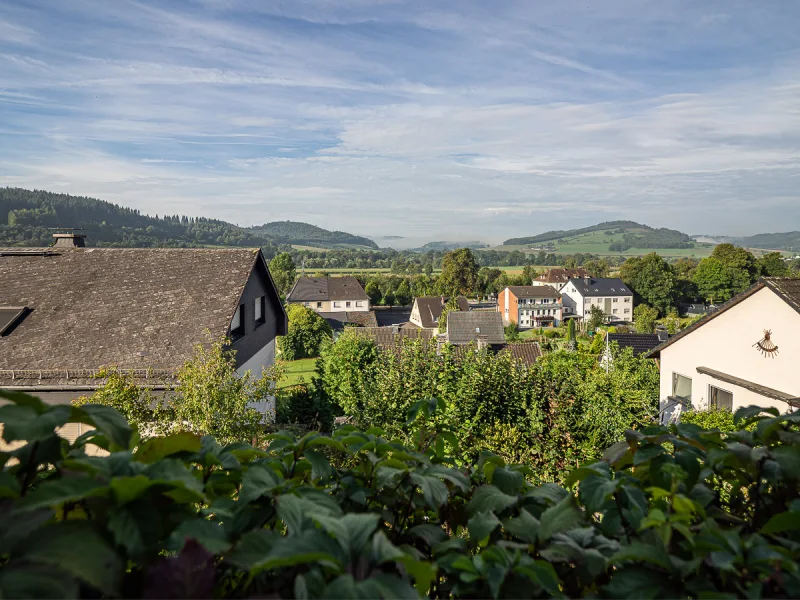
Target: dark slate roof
[
  {"x": 337, "y": 320},
  {"x": 134, "y": 308},
  {"x": 387, "y": 339},
  {"x": 786, "y": 288},
  {"x": 430, "y": 308},
  {"x": 391, "y": 315},
  {"x": 346, "y": 288},
  {"x": 526, "y": 352},
  {"x": 640, "y": 342},
  {"x": 465, "y": 327},
  {"x": 309, "y": 289},
  {"x": 534, "y": 291},
  {"x": 592, "y": 286},
  {"x": 562, "y": 275},
  {"x": 314, "y": 289}
]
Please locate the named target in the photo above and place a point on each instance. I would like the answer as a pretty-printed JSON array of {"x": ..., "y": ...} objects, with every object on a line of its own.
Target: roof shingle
[
  {"x": 133, "y": 308},
  {"x": 465, "y": 327}
]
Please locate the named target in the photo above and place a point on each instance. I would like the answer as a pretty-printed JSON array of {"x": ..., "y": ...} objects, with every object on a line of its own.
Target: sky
[{"x": 438, "y": 120}]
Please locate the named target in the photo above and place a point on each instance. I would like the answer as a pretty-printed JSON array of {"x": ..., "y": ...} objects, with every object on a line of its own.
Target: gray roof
[
  {"x": 786, "y": 288},
  {"x": 315, "y": 289},
  {"x": 534, "y": 291},
  {"x": 465, "y": 327},
  {"x": 134, "y": 308},
  {"x": 640, "y": 342},
  {"x": 592, "y": 286},
  {"x": 430, "y": 308},
  {"x": 362, "y": 318}
]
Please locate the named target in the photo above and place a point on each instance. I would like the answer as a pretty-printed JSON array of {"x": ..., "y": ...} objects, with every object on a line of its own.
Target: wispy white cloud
[{"x": 402, "y": 118}]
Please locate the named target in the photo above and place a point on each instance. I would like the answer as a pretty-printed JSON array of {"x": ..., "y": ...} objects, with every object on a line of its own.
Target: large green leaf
[
  {"x": 433, "y": 490},
  {"x": 129, "y": 488},
  {"x": 482, "y": 524},
  {"x": 24, "y": 423},
  {"x": 507, "y": 481},
  {"x": 257, "y": 480},
  {"x": 16, "y": 526},
  {"x": 127, "y": 533},
  {"x": 640, "y": 552},
  {"x": 352, "y": 531},
  {"x": 23, "y": 399},
  {"x": 637, "y": 582},
  {"x": 787, "y": 521},
  {"x": 563, "y": 516},
  {"x": 308, "y": 547},
  {"x": 36, "y": 581},
  {"x": 209, "y": 534},
  {"x": 157, "y": 448},
  {"x": 107, "y": 420},
  {"x": 9, "y": 486},
  {"x": 58, "y": 491},
  {"x": 77, "y": 548},
  {"x": 252, "y": 548},
  {"x": 489, "y": 498},
  {"x": 431, "y": 534},
  {"x": 320, "y": 467},
  {"x": 524, "y": 527}
]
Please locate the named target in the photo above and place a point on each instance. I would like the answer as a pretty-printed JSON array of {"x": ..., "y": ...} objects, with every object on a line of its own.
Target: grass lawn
[{"x": 297, "y": 369}]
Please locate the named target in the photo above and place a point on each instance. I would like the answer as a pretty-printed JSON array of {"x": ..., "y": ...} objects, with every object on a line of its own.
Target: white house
[
  {"x": 747, "y": 352},
  {"x": 612, "y": 296}
]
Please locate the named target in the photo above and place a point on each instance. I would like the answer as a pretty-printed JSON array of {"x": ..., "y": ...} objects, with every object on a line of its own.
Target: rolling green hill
[
  {"x": 304, "y": 234},
  {"x": 612, "y": 238},
  {"x": 789, "y": 240}
]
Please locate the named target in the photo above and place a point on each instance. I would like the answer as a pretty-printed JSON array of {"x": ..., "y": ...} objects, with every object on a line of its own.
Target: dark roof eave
[{"x": 757, "y": 388}]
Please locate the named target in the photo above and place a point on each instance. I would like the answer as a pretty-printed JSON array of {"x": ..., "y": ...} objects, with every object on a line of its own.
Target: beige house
[
  {"x": 426, "y": 310},
  {"x": 330, "y": 294},
  {"x": 747, "y": 352},
  {"x": 610, "y": 295}
]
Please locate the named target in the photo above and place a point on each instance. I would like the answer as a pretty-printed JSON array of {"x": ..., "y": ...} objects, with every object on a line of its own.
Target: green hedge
[{"x": 356, "y": 515}]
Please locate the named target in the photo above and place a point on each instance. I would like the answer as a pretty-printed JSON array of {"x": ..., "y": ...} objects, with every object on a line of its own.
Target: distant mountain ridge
[
  {"x": 27, "y": 218},
  {"x": 449, "y": 246},
  {"x": 305, "y": 234},
  {"x": 789, "y": 240},
  {"x": 635, "y": 235}
]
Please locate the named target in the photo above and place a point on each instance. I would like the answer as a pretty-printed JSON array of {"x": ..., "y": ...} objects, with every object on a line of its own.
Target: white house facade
[
  {"x": 611, "y": 295},
  {"x": 745, "y": 353}
]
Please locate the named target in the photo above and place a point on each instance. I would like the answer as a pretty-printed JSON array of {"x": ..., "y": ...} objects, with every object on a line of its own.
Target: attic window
[
  {"x": 10, "y": 317},
  {"x": 237, "y": 322}
]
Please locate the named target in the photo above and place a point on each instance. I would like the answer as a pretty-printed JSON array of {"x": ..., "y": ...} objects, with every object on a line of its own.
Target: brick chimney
[{"x": 69, "y": 240}]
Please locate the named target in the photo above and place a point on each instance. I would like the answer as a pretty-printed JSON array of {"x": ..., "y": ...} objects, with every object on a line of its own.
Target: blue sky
[{"x": 439, "y": 120}]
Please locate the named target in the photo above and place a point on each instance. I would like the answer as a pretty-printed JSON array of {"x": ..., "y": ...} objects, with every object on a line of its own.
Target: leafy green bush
[
  {"x": 710, "y": 419},
  {"x": 308, "y": 333},
  {"x": 182, "y": 516},
  {"x": 565, "y": 408}
]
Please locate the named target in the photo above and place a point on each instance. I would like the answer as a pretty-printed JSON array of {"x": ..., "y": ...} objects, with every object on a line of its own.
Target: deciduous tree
[
  {"x": 308, "y": 332},
  {"x": 284, "y": 272},
  {"x": 644, "y": 318},
  {"x": 459, "y": 273},
  {"x": 652, "y": 281}
]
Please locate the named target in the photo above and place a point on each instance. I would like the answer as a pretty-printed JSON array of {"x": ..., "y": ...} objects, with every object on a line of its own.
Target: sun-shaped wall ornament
[{"x": 765, "y": 345}]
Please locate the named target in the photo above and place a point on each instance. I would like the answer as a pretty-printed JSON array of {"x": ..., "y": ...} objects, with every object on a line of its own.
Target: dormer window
[{"x": 10, "y": 317}]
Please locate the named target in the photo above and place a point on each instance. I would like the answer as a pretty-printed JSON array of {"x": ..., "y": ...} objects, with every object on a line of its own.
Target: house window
[
  {"x": 627, "y": 299},
  {"x": 347, "y": 305},
  {"x": 615, "y": 300},
  {"x": 337, "y": 305},
  {"x": 359, "y": 303},
  {"x": 588, "y": 301},
  {"x": 237, "y": 322},
  {"x": 319, "y": 304},
  {"x": 681, "y": 386},
  {"x": 719, "y": 399},
  {"x": 627, "y": 310},
  {"x": 614, "y": 311},
  {"x": 258, "y": 310}
]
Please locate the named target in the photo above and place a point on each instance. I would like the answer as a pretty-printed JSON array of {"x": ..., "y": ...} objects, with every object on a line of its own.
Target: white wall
[{"x": 725, "y": 344}]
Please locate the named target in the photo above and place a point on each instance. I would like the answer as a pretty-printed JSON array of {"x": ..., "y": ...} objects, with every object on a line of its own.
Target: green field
[
  {"x": 297, "y": 370},
  {"x": 597, "y": 242}
]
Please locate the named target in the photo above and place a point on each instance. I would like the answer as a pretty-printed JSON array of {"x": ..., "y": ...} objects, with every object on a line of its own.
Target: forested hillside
[
  {"x": 27, "y": 218},
  {"x": 622, "y": 235},
  {"x": 304, "y": 234},
  {"x": 789, "y": 240}
]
